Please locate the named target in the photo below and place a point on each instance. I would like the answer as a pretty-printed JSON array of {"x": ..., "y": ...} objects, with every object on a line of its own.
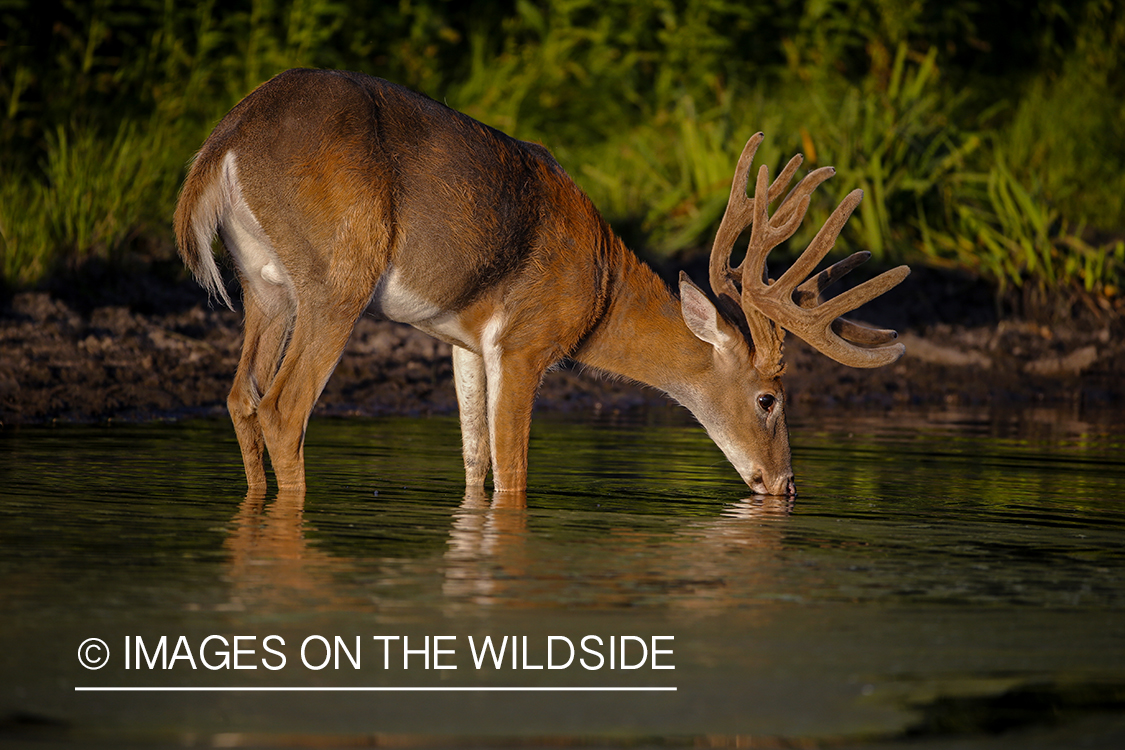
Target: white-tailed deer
[{"x": 337, "y": 192}]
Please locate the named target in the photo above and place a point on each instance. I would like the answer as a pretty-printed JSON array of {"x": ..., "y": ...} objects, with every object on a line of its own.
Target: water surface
[{"x": 943, "y": 578}]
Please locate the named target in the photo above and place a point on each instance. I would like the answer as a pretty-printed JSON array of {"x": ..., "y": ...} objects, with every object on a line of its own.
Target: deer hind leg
[
  {"x": 264, "y": 340},
  {"x": 472, "y": 402},
  {"x": 269, "y": 307},
  {"x": 320, "y": 331}
]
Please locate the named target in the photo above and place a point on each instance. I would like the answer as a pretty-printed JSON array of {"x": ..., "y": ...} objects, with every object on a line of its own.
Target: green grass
[{"x": 1013, "y": 171}]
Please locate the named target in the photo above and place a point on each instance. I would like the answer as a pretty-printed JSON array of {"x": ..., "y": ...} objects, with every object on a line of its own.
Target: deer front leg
[
  {"x": 472, "y": 403},
  {"x": 513, "y": 379}
]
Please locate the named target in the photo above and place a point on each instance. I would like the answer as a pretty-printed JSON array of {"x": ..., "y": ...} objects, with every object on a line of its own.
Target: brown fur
[{"x": 348, "y": 180}]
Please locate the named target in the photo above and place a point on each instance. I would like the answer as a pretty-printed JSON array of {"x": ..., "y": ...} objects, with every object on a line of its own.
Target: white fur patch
[
  {"x": 472, "y": 400},
  {"x": 467, "y": 377},
  {"x": 272, "y": 274},
  {"x": 249, "y": 244},
  {"x": 493, "y": 372},
  {"x": 394, "y": 301}
]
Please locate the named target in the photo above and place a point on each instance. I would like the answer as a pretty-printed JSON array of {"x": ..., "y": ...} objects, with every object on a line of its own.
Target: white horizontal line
[{"x": 442, "y": 689}]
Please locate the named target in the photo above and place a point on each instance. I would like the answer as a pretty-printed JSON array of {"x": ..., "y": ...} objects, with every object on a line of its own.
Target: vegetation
[{"x": 987, "y": 136}]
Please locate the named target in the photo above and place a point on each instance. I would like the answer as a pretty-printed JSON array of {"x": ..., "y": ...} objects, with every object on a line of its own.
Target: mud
[{"x": 174, "y": 357}]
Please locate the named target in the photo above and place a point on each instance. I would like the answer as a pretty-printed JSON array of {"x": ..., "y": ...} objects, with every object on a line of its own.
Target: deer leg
[
  {"x": 320, "y": 332},
  {"x": 472, "y": 402},
  {"x": 513, "y": 379},
  {"x": 264, "y": 338}
]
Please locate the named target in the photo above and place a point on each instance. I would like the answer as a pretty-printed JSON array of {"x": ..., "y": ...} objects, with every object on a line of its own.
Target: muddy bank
[{"x": 60, "y": 362}]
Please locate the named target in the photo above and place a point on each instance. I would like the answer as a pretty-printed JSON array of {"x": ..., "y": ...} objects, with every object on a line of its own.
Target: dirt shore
[{"x": 134, "y": 359}]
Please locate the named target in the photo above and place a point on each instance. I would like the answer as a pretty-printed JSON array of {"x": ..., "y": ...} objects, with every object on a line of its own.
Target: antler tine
[
  {"x": 822, "y": 244},
  {"x": 739, "y": 214},
  {"x": 736, "y": 217},
  {"x": 808, "y": 293},
  {"x": 803, "y": 189},
  {"x": 864, "y": 336},
  {"x": 863, "y": 293},
  {"x": 770, "y": 233},
  {"x": 797, "y": 309},
  {"x": 808, "y": 296},
  {"x": 784, "y": 179},
  {"x": 769, "y": 307}
]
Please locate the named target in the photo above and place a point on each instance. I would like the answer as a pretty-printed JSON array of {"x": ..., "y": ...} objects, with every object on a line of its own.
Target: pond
[{"x": 946, "y": 580}]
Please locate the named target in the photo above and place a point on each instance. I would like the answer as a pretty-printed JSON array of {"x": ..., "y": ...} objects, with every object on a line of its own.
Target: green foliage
[
  {"x": 1068, "y": 130},
  {"x": 891, "y": 138},
  {"x": 989, "y": 137},
  {"x": 1003, "y": 231},
  {"x": 93, "y": 199},
  {"x": 96, "y": 140}
]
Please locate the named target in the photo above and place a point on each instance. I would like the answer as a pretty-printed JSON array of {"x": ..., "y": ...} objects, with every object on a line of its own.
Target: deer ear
[{"x": 701, "y": 316}]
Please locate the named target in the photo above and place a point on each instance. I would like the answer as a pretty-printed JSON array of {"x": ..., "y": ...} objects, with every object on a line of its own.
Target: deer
[{"x": 337, "y": 193}]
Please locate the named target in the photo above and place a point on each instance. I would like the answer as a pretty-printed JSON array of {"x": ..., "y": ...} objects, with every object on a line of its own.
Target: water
[{"x": 941, "y": 580}]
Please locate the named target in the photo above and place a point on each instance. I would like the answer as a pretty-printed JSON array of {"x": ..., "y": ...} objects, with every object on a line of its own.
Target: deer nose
[
  {"x": 784, "y": 486},
  {"x": 781, "y": 486}
]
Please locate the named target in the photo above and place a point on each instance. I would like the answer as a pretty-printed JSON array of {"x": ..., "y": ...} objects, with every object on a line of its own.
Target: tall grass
[
  {"x": 92, "y": 200},
  {"x": 1015, "y": 172},
  {"x": 130, "y": 91}
]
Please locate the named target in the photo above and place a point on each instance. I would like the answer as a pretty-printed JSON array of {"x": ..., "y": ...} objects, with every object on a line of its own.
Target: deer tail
[{"x": 205, "y": 198}]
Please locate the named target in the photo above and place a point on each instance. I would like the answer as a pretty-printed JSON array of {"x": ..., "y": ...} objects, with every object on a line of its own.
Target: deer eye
[{"x": 766, "y": 401}]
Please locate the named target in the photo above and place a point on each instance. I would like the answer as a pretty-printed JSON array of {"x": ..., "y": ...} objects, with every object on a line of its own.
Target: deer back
[{"x": 358, "y": 181}]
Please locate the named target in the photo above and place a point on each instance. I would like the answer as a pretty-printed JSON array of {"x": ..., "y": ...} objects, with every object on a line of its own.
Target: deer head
[{"x": 762, "y": 309}]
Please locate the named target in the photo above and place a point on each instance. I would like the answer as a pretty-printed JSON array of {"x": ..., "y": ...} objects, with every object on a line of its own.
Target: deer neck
[{"x": 642, "y": 335}]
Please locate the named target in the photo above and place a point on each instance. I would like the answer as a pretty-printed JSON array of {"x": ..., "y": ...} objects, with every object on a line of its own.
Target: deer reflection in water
[
  {"x": 486, "y": 536},
  {"x": 492, "y": 558},
  {"x": 705, "y": 564},
  {"x": 272, "y": 565}
]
